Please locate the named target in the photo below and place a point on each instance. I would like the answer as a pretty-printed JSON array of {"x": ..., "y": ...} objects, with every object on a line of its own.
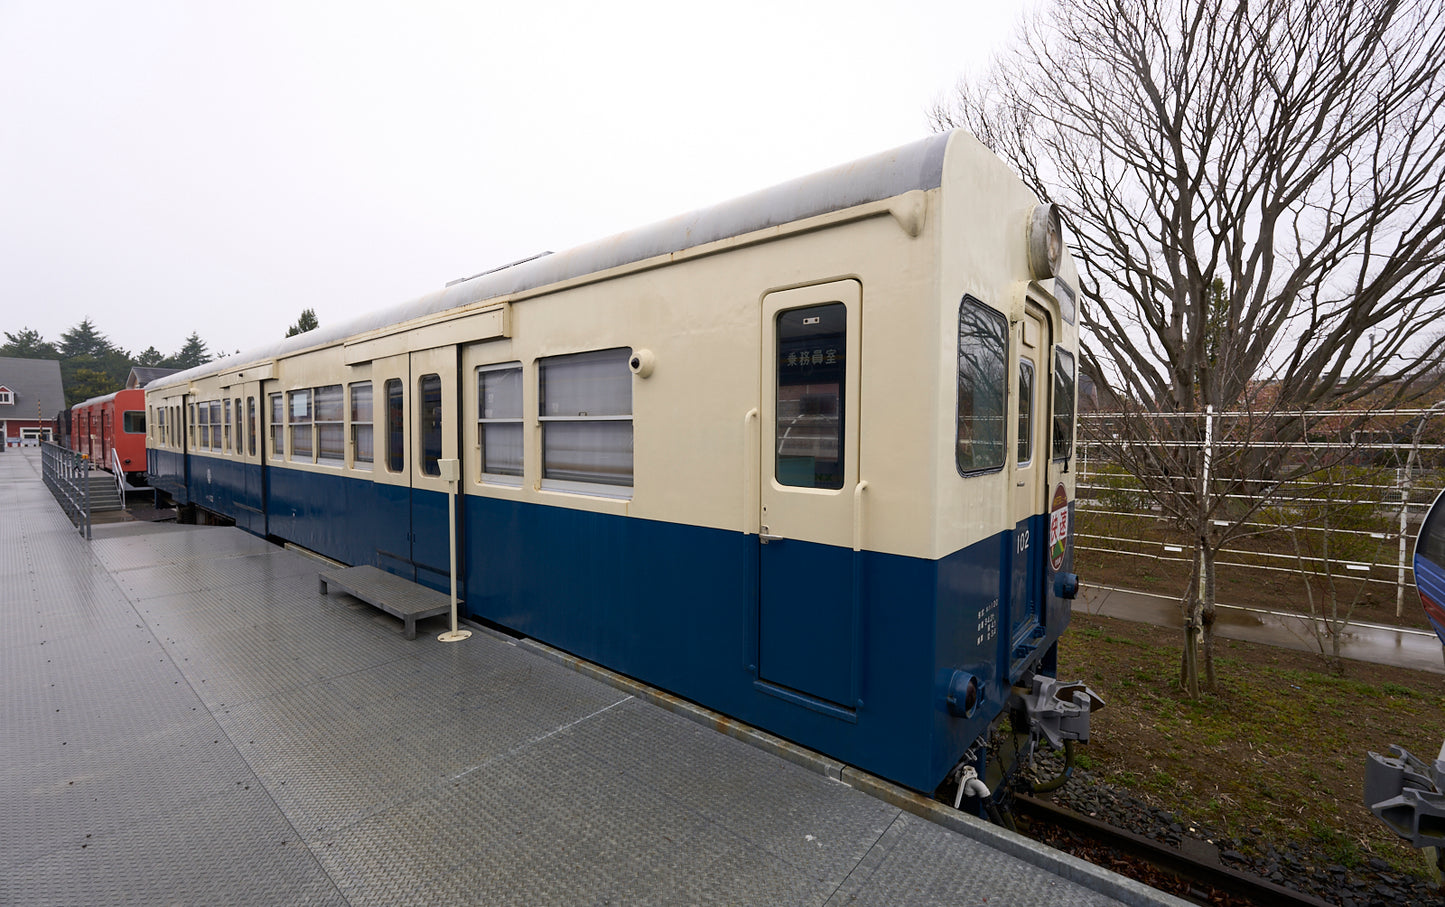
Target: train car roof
[
  {"x": 918, "y": 165},
  {"x": 94, "y": 400}
]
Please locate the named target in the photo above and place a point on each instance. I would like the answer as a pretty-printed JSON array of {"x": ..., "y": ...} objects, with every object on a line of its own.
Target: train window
[
  {"x": 499, "y": 423},
  {"x": 193, "y": 425},
  {"x": 811, "y": 345},
  {"x": 226, "y": 425},
  {"x": 237, "y": 435},
  {"x": 395, "y": 441},
  {"x": 361, "y": 430},
  {"x": 133, "y": 421},
  {"x": 1026, "y": 411},
  {"x": 203, "y": 424},
  {"x": 251, "y": 425},
  {"x": 586, "y": 415},
  {"x": 982, "y": 387},
  {"x": 216, "y": 425},
  {"x": 278, "y": 427},
  {"x": 429, "y": 397},
  {"x": 1063, "y": 403},
  {"x": 1430, "y": 544},
  {"x": 330, "y": 418},
  {"x": 298, "y": 418}
]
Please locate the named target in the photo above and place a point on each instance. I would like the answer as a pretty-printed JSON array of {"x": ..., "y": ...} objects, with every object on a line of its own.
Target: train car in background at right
[{"x": 1430, "y": 566}]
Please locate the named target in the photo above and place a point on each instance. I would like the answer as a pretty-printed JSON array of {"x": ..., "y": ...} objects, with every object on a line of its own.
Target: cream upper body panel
[{"x": 696, "y": 307}]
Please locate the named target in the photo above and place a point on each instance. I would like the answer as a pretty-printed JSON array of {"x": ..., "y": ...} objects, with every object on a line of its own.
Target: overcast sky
[{"x": 169, "y": 167}]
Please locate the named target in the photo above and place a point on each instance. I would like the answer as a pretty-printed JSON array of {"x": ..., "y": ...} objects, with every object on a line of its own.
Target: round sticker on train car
[{"x": 1058, "y": 527}]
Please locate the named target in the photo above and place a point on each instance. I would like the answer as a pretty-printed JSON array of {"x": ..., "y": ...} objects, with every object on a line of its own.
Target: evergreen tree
[
  {"x": 90, "y": 365},
  {"x": 194, "y": 353},
  {"x": 28, "y": 344},
  {"x": 85, "y": 340},
  {"x": 307, "y": 322},
  {"x": 151, "y": 358}
]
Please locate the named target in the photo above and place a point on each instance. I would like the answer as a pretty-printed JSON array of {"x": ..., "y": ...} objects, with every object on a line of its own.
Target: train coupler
[
  {"x": 1409, "y": 796},
  {"x": 1057, "y": 711}
]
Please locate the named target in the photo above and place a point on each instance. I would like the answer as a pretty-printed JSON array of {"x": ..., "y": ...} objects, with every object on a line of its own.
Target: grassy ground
[{"x": 1276, "y": 754}]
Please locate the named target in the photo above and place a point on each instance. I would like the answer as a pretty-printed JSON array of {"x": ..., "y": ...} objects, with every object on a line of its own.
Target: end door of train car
[
  {"x": 416, "y": 398},
  {"x": 810, "y": 494},
  {"x": 1030, "y": 495}
]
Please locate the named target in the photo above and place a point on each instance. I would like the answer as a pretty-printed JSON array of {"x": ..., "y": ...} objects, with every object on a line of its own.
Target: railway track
[{"x": 1197, "y": 877}]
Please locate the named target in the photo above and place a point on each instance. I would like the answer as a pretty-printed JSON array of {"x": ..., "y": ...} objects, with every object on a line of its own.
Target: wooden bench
[{"x": 389, "y": 592}]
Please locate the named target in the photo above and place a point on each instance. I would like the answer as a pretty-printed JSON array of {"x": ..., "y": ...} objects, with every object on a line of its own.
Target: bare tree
[{"x": 1254, "y": 189}]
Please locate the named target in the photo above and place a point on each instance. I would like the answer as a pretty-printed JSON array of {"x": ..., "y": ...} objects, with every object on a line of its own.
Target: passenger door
[
  {"x": 809, "y": 493},
  {"x": 1030, "y": 460},
  {"x": 251, "y": 446},
  {"x": 415, "y": 407}
]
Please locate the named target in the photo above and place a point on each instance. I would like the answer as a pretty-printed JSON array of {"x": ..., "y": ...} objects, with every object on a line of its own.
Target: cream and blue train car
[{"x": 803, "y": 457}]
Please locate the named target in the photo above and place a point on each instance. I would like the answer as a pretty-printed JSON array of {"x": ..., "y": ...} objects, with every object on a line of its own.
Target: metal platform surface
[{"x": 187, "y": 720}]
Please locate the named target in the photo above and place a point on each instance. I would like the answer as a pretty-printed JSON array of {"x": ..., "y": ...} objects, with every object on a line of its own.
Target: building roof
[
  {"x": 31, "y": 382},
  {"x": 140, "y": 375}
]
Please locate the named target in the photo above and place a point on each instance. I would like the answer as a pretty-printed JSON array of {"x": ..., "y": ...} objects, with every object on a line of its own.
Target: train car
[
  {"x": 803, "y": 457},
  {"x": 111, "y": 430},
  {"x": 1429, "y": 565}
]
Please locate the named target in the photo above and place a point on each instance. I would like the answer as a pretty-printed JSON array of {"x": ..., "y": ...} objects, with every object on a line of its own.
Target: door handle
[{"x": 765, "y": 536}]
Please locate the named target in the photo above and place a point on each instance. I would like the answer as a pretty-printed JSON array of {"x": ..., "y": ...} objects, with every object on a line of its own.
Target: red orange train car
[{"x": 112, "y": 423}]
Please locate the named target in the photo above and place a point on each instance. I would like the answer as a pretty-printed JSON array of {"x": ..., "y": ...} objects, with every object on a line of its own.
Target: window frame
[
  {"x": 276, "y": 424},
  {"x": 1071, "y": 416},
  {"x": 394, "y": 408},
  {"x": 1002, "y": 381},
  {"x": 1025, "y": 446},
  {"x": 335, "y": 427},
  {"x": 355, "y": 425},
  {"x": 620, "y": 355},
  {"x": 509, "y": 479},
  {"x": 296, "y": 422}
]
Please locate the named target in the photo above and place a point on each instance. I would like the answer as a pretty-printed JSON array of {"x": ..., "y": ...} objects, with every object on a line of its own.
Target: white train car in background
[{"x": 803, "y": 457}]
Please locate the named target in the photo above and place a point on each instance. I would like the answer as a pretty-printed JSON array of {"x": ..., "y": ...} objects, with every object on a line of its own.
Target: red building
[{"x": 31, "y": 394}]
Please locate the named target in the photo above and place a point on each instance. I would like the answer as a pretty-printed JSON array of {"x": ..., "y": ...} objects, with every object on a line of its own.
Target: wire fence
[{"x": 1355, "y": 520}]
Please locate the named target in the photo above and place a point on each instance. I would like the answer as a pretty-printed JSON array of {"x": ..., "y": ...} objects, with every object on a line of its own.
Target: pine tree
[
  {"x": 28, "y": 344},
  {"x": 307, "y": 322},
  {"x": 194, "y": 353}
]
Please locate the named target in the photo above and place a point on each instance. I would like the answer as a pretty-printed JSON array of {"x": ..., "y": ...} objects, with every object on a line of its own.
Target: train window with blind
[
  {"x": 193, "y": 424},
  {"x": 278, "y": 427},
  {"x": 499, "y": 423},
  {"x": 585, "y": 407},
  {"x": 395, "y": 440},
  {"x": 329, "y": 417},
  {"x": 298, "y": 419},
  {"x": 811, "y": 352},
  {"x": 226, "y": 425},
  {"x": 1063, "y": 404},
  {"x": 362, "y": 451},
  {"x": 237, "y": 436},
  {"x": 215, "y": 408},
  {"x": 982, "y": 388}
]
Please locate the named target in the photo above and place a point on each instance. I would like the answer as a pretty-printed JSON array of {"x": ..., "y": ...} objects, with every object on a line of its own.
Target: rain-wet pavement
[{"x": 1402, "y": 647}]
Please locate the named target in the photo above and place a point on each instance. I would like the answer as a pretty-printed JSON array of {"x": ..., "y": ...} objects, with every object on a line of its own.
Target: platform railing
[
  {"x": 67, "y": 475},
  {"x": 119, "y": 472}
]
